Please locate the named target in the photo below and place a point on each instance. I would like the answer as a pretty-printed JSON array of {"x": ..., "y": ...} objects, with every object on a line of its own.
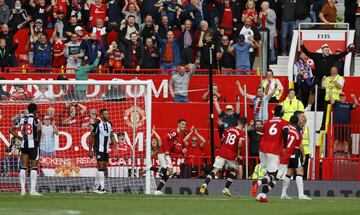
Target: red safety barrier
[
  {"x": 343, "y": 141},
  {"x": 340, "y": 168},
  {"x": 24, "y": 69}
]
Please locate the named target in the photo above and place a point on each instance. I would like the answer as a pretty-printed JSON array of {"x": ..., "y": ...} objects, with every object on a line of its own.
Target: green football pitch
[{"x": 88, "y": 204}]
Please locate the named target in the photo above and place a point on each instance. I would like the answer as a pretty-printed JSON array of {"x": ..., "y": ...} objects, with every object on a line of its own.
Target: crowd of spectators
[{"x": 155, "y": 33}]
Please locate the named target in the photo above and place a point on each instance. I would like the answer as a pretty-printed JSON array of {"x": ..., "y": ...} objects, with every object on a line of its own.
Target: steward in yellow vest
[
  {"x": 333, "y": 83},
  {"x": 291, "y": 104}
]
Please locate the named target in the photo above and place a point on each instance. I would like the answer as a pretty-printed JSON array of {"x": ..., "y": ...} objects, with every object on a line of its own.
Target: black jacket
[
  {"x": 303, "y": 9},
  {"x": 125, "y": 46},
  {"x": 150, "y": 62}
]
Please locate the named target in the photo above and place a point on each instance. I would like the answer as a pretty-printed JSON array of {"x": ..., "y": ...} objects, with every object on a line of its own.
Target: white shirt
[
  {"x": 39, "y": 96},
  {"x": 47, "y": 141},
  {"x": 247, "y": 32}
]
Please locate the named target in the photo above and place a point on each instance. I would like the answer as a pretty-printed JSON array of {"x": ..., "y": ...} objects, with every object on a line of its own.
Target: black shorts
[
  {"x": 34, "y": 153},
  {"x": 342, "y": 133},
  {"x": 296, "y": 162},
  {"x": 101, "y": 156}
]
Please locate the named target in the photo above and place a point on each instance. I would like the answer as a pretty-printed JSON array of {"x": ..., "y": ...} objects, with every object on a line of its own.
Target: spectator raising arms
[
  {"x": 18, "y": 16},
  {"x": 43, "y": 94},
  {"x": 97, "y": 11},
  {"x": 115, "y": 56},
  {"x": 151, "y": 55},
  {"x": 131, "y": 8},
  {"x": 241, "y": 52},
  {"x": 268, "y": 85},
  {"x": 251, "y": 13},
  {"x": 225, "y": 59},
  {"x": 133, "y": 51},
  {"x": 179, "y": 83},
  {"x": 206, "y": 43},
  {"x": 73, "y": 53},
  {"x": 91, "y": 48},
  {"x": 73, "y": 115}
]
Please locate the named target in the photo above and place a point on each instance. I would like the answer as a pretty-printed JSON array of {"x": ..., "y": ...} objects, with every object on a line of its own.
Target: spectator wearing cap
[
  {"x": 267, "y": 19},
  {"x": 79, "y": 32},
  {"x": 170, "y": 52},
  {"x": 342, "y": 115},
  {"x": 18, "y": 16},
  {"x": 43, "y": 94},
  {"x": 241, "y": 52},
  {"x": 225, "y": 60},
  {"x": 333, "y": 85},
  {"x": 268, "y": 85},
  {"x": 249, "y": 31},
  {"x": 179, "y": 83},
  {"x": 260, "y": 102},
  {"x": 151, "y": 55},
  {"x": 4, "y": 12},
  {"x": 229, "y": 117},
  {"x": 323, "y": 62},
  {"x": 89, "y": 120},
  {"x": 47, "y": 140},
  {"x": 73, "y": 53},
  {"x": 97, "y": 11},
  {"x": 41, "y": 10}
]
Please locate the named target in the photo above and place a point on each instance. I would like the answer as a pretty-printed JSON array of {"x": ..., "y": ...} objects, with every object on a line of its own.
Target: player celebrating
[
  {"x": 101, "y": 137},
  {"x": 167, "y": 145},
  {"x": 293, "y": 162},
  {"x": 273, "y": 141},
  {"x": 232, "y": 140},
  {"x": 30, "y": 138}
]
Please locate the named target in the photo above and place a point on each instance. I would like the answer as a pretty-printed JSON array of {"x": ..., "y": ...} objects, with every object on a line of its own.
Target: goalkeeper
[{"x": 82, "y": 75}]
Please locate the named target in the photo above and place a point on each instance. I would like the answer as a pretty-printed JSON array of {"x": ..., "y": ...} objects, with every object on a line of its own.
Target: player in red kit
[
  {"x": 273, "y": 141},
  {"x": 292, "y": 161},
  {"x": 168, "y": 143},
  {"x": 232, "y": 140}
]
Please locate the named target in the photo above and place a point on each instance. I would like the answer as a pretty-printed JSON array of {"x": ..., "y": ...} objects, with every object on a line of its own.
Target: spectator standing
[
  {"x": 216, "y": 94},
  {"x": 260, "y": 102},
  {"x": 115, "y": 56},
  {"x": 147, "y": 8},
  {"x": 73, "y": 53},
  {"x": 251, "y": 13},
  {"x": 291, "y": 104},
  {"x": 100, "y": 31},
  {"x": 97, "y": 11},
  {"x": 82, "y": 75},
  {"x": 340, "y": 63},
  {"x": 8, "y": 35},
  {"x": 89, "y": 120},
  {"x": 133, "y": 51},
  {"x": 179, "y": 83},
  {"x": 267, "y": 19},
  {"x": 254, "y": 138},
  {"x": 147, "y": 29},
  {"x": 4, "y": 12},
  {"x": 58, "y": 52},
  {"x": 194, "y": 152},
  {"x": 131, "y": 8},
  {"x": 241, "y": 52},
  {"x": 41, "y": 10},
  {"x": 18, "y": 16},
  {"x": 43, "y": 94},
  {"x": 186, "y": 42},
  {"x": 342, "y": 113},
  {"x": 164, "y": 26},
  {"x": 60, "y": 24},
  {"x": 20, "y": 94},
  {"x": 5, "y": 55},
  {"x": 47, "y": 141},
  {"x": 91, "y": 48},
  {"x": 114, "y": 6},
  {"x": 227, "y": 118},
  {"x": 249, "y": 32},
  {"x": 128, "y": 27},
  {"x": 115, "y": 93},
  {"x": 333, "y": 85},
  {"x": 4, "y": 95},
  {"x": 206, "y": 43},
  {"x": 225, "y": 59},
  {"x": 304, "y": 79},
  {"x": 302, "y": 11},
  {"x": 75, "y": 9},
  {"x": 328, "y": 14},
  {"x": 194, "y": 11},
  {"x": 226, "y": 18},
  {"x": 288, "y": 22},
  {"x": 73, "y": 115},
  {"x": 70, "y": 26},
  {"x": 169, "y": 50},
  {"x": 350, "y": 11},
  {"x": 269, "y": 84},
  {"x": 151, "y": 55},
  {"x": 42, "y": 49}
]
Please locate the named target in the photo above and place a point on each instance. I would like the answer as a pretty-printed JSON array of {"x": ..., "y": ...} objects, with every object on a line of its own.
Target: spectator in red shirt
[
  {"x": 194, "y": 153},
  {"x": 20, "y": 94},
  {"x": 97, "y": 11},
  {"x": 89, "y": 120},
  {"x": 124, "y": 149},
  {"x": 73, "y": 115},
  {"x": 115, "y": 56},
  {"x": 155, "y": 142},
  {"x": 60, "y": 5},
  {"x": 226, "y": 18},
  {"x": 251, "y": 13},
  {"x": 58, "y": 51}
]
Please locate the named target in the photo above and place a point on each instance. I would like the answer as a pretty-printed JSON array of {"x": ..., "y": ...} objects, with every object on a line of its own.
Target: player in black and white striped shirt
[
  {"x": 30, "y": 129},
  {"x": 101, "y": 137}
]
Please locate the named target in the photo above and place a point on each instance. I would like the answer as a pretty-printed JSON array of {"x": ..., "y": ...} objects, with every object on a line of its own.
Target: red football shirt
[
  {"x": 293, "y": 143},
  {"x": 229, "y": 146},
  {"x": 169, "y": 141},
  {"x": 272, "y": 140},
  {"x": 194, "y": 155},
  {"x": 97, "y": 12}
]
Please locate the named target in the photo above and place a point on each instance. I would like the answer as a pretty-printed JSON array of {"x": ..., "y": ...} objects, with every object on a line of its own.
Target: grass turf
[{"x": 88, "y": 204}]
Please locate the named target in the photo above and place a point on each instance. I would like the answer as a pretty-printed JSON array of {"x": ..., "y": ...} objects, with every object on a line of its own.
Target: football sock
[
  {"x": 163, "y": 180},
  {"x": 97, "y": 180},
  {"x": 265, "y": 180},
  {"x": 286, "y": 183},
  {"x": 266, "y": 188},
  {"x": 155, "y": 169},
  {"x": 300, "y": 184},
  {"x": 209, "y": 177},
  {"x": 33, "y": 179},
  {"x": 230, "y": 179},
  {"x": 101, "y": 179},
  {"x": 22, "y": 178}
]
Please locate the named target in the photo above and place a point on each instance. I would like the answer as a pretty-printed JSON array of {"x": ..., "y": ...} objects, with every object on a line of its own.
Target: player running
[
  {"x": 293, "y": 162},
  {"x": 30, "y": 129},
  {"x": 232, "y": 140},
  {"x": 101, "y": 137},
  {"x": 273, "y": 142},
  {"x": 167, "y": 145}
]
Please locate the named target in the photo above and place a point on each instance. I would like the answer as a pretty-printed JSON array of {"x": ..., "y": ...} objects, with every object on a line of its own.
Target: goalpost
[{"x": 71, "y": 107}]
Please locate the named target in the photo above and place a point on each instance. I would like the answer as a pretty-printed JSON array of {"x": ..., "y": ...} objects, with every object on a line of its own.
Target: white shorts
[
  {"x": 164, "y": 161},
  {"x": 221, "y": 162},
  {"x": 282, "y": 171},
  {"x": 269, "y": 162}
]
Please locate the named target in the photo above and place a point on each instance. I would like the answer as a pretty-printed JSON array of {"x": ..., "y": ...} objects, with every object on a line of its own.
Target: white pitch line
[{"x": 17, "y": 211}]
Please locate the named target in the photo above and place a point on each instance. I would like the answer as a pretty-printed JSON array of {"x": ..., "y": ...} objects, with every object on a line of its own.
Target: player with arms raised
[
  {"x": 232, "y": 140},
  {"x": 30, "y": 129},
  {"x": 101, "y": 137},
  {"x": 273, "y": 142},
  {"x": 167, "y": 145}
]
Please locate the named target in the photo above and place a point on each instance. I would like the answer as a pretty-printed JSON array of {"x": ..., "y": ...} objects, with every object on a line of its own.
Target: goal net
[{"x": 66, "y": 110}]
